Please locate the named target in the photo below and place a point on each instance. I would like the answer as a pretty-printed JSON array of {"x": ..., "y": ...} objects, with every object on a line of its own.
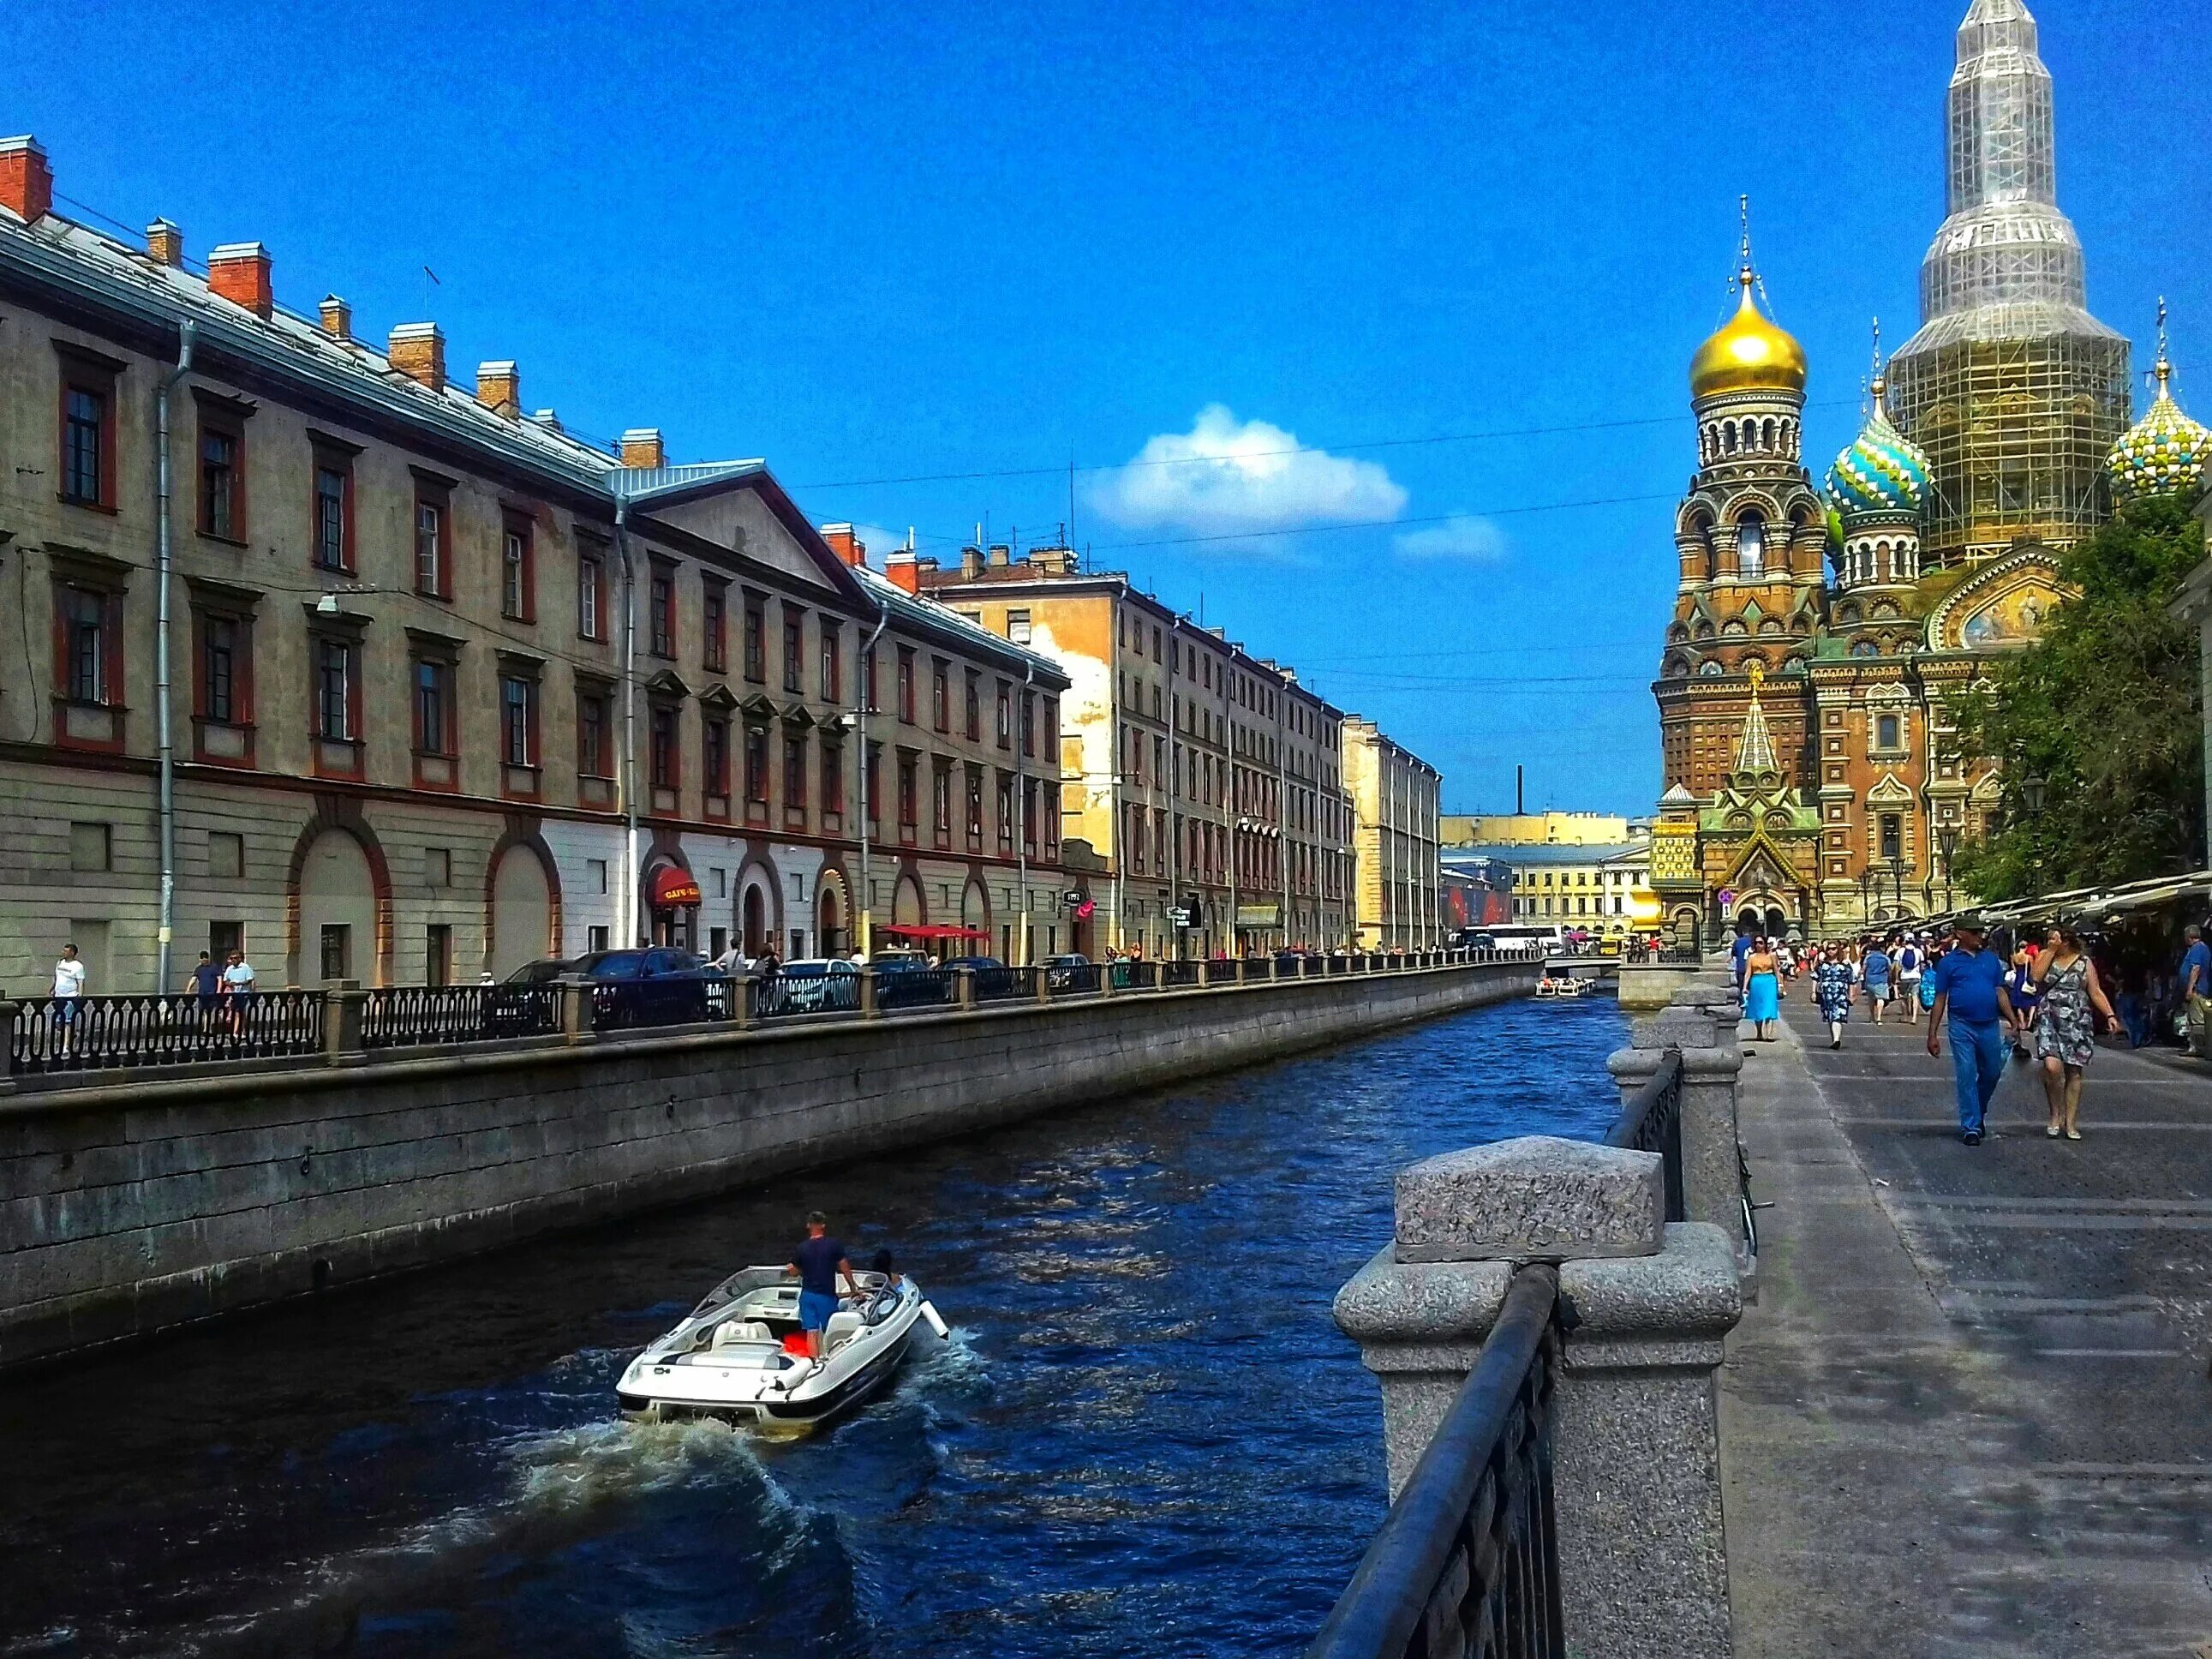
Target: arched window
[
  {"x": 1750, "y": 545},
  {"x": 1728, "y": 435},
  {"x": 1766, "y": 437},
  {"x": 1750, "y": 434}
]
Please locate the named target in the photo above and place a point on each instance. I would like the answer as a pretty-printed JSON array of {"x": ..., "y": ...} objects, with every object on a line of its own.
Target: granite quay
[{"x": 135, "y": 1199}]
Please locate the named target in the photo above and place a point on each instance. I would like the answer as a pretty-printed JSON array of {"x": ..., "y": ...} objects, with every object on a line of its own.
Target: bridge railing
[
  {"x": 83, "y": 1034},
  {"x": 1651, "y": 1121},
  {"x": 1468, "y": 1561}
]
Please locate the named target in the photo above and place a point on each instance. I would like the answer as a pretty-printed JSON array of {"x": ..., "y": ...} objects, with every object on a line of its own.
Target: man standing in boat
[{"x": 819, "y": 1261}]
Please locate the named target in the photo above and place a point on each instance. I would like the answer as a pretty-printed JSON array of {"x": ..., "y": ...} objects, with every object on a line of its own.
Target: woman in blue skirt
[{"x": 1762, "y": 989}]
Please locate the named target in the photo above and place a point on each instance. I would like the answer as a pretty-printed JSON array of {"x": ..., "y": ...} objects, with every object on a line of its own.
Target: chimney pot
[
  {"x": 547, "y": 418},
  {"x": 499, "y": 389},
  {"x": 418, "y": 351},
  {"x": 904, "y": 570},
  {"x": 642, "y": 447},
  {"x": 971, "y": 561},
  {"x": 27, "y": 182},
  {"x": 1001, "y": 556},
  {"x": 238, "y": 272},
  {"x": 337, "y": 317},
  {"x": 165, "y": 243},
  {"x": 844, "y": 544}
]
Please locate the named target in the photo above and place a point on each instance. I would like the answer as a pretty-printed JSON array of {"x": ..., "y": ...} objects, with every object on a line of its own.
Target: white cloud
[
  {"x": 1226, "y": 476},
  {"x": 1463, "y": 536}
]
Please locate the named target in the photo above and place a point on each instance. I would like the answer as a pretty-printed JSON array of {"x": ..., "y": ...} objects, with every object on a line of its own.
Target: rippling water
[{"x": 1144, "y": 1437}]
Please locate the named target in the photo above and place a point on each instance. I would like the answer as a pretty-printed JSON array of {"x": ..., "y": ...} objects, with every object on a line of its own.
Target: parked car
[
  {"x": 811, "y": 986},
  {"x": 1061, "y": 972},
  {"x": 656, "y": 986}
]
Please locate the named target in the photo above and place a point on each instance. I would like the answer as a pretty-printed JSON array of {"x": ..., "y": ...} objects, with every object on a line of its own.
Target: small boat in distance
[
  {"x": 740, "y": 1354},
  {"x": 1565, "y": 986}
]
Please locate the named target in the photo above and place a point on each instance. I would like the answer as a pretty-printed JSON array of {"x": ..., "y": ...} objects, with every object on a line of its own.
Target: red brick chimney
[
  {"x": 337, "y": 317},
  {"x": 499, "y": 389},
  {"x": 418, "y": 351},
  {"x": 238, "y": 272},
  {"x": 27, "y": 183},
  {"x": 641, "y": 447},
  {"x": 903, "y": 569},
  {"x": 165, "y": 243},
  {"x": 844, "y": 545}
]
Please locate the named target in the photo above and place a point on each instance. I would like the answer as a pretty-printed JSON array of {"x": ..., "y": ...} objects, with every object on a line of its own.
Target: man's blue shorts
[{"x": 815, "y": 1309}]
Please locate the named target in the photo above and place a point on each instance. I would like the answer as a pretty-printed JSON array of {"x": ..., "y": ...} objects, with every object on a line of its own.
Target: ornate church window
[{"x": 1751, "y": 544}]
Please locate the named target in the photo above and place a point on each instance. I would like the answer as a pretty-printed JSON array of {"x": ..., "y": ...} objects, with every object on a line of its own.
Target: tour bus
[{"x": 1530, "y": 937}]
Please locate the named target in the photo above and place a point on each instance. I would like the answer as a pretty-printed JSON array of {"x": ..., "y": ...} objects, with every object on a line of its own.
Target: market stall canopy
[
  {"x": 2102, "y": 902},
  {"x": 937, "y": 931}
]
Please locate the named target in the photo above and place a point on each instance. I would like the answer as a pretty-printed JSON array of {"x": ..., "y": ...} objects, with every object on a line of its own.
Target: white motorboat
[
  {"x": 1565, "y": 986},
  {"x": 740, "y": 1354}
]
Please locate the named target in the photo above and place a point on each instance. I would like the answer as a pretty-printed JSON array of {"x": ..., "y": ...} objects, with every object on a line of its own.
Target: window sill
[
  {"x": 222, "y": 743},
  {"x": 595, "y": 792},
  {"x": 340, "y": 758},
  {"x": 96, "y": 725},
  {"x": 222, "y": 541},
  {"x": 440, "y": 772},
  {"x": 89, "y": 506},
  {"x": 520, "y": 782}
]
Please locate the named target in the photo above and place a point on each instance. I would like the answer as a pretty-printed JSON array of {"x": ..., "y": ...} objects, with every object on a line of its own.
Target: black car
[{"x": 655, "y": 986}]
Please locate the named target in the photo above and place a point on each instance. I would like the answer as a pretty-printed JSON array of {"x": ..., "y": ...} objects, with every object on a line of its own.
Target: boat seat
[
  {"x": 842, "y": 1328},
  {"x": 734, "y": 1331}
]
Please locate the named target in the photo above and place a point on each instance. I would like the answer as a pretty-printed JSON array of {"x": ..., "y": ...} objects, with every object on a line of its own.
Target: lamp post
[
  {"x": 2032, "y": 792},
  {"x": 1866, "y": 900},
  {"x": 1947, "y": 841},
  {"x": 1897, "y": 881}
]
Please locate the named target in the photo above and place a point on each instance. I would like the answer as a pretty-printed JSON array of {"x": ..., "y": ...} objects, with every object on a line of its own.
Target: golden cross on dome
[{"x": 1757, "y": 677}]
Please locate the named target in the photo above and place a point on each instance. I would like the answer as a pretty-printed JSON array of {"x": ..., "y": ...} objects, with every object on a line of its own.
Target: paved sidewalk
[{"x": 1970, "y": 1411}]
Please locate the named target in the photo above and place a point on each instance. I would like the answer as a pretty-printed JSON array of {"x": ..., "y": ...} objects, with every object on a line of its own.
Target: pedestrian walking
[
  {"x": 68, "y": 996},
  {"x": 238, "y": 983},
  {"x": 2027, "y": 995},
  {"x": 206, "y": 983},
  {"x": 1762, "y": 989},
  {"x": 1738, "y": 953},
  {"x": 1832, "y": 984},
  {"x": 1874, "y": 978},
  {"x": 1968, "y": 984},
  {"x": 2195, "y": 973},
  {"x": 2073, "y": 1005},
  {"x": 1911, "y": 961}
]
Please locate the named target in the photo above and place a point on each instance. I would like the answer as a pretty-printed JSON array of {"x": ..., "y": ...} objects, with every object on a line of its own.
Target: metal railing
[
  {"x": 81, "y": 1034},
  {"x": 1005, "y": 984},
  {"x": 675, "y": 1000},
  {"x": 917, "y": 987},
  {"x": 407, "y": 1016},
  {"x": 1074, "y": 979},
  {"x": 1177, "y": 973},
  {"x": 1651, "y": 1121},
  {"x": 1468, "y": 1560},
  {"x": 787, "y": 994}
]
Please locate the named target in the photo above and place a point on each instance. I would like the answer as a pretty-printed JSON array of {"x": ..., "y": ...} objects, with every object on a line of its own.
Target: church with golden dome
[{"x": 1820, "y": 630}]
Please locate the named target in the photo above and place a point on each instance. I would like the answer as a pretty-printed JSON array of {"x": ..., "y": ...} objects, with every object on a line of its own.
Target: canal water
[{"x": 1146, "y": 1437}]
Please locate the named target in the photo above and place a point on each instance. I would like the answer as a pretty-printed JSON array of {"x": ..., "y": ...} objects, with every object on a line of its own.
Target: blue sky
[{"x": 892, "y": 243}]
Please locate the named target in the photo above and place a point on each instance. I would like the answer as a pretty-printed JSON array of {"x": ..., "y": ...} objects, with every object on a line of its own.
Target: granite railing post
[
  {"x": 870, "y": 1008},
  {"x": 576, "y": 1008},
  {"x": 345, "y": 1013},
  {"x": 745, "y": 1002},
  {"x": 1205, "y": 973},
  {"x": 1042, "y": 986},
  {"x": 1712, "y": 1175},
  {"x": 1644, "y": 1306},
  {"x": 963, "y": 987}
]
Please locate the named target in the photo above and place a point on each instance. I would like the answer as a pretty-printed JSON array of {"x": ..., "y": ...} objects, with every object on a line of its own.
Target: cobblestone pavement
[{"x": 1970, "y": 1411}]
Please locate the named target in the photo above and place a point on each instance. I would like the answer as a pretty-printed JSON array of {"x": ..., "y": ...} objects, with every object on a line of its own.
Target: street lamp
[
  {"x": 1947, "y": 841},
  {"x": 1897, "y": 881},
  {"x": 2032, "y": 790},
  {"x": 1866, "y": 901}
]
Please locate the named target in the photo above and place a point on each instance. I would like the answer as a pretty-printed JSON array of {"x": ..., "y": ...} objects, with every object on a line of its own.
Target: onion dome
[
  {"x": 1881, "y": 475},
  {"x": 1749, "y": 354},
  {"x": 2163, "y": 453}
]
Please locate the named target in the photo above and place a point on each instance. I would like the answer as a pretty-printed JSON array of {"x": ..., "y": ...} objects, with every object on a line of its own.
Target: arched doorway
[
  {"x": 832, "y": 935},
  {"x": 521, "y": 912},
  {"x": 337, "y": 912},
  {"x": 907, "y": 910},
  {"x": 753, "y": 921}
]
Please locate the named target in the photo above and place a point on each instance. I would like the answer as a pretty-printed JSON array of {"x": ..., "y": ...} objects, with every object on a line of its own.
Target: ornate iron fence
[
  {"x": 80, "y": 1034},
  {"x": 1651, "y": 1121},
  {"x": 916, "y": 988},
  {"x": 805, "y": 994},
  {"x": 1468, "y": 1560},
  {"x": 672, "y": 999},
  {"x": 1074, "y": 979},
  {"x": 1176, "y": 973},
  {"x": 1005, "y": 984},
  {"x": 408, "y": 1016}
]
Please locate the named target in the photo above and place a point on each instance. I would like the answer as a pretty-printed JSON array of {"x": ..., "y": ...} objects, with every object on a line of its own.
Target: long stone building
[{"x": 323, "y": 656}]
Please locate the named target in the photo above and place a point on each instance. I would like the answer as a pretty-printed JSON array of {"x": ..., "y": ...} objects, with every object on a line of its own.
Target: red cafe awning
[
  {"x": 673, "y": 888},
  {"x": 935, "y": 931}
]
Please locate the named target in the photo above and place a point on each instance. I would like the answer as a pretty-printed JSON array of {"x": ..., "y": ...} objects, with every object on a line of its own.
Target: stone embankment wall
[{"x": 143, "y": 1202}]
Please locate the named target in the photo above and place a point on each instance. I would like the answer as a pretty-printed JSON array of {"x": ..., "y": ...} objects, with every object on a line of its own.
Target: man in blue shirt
[
  {"x": 819, "y": 1261},
  {"x": 1873, "y": 974},
  {"x": 1969, "y": 987},
  {"x": 2195, "y": 976},
  {"x": 1739, "y": 953}
]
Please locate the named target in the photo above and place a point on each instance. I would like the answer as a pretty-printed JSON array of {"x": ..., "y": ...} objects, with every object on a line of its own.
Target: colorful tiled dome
[
  {"x": 1883, "y": 473},
  {"x": 2163, "y": 453}
]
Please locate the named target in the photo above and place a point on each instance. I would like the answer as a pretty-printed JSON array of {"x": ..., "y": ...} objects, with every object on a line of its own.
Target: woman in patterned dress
[
  {"x": 1832, "y": 984},
  {"x": 2066, "y": 1030}
]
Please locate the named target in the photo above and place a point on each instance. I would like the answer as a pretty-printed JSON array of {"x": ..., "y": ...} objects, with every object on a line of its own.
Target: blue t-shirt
[
  {"x": 817, "y": 1261},
  {"x": 1971, "y": 978},
  {"x": 1740, "y": 951},
  {"x": 1876, "y": 969},
  {"x": 206, "y": 979},
  {"x": 2199, "y": 956}
]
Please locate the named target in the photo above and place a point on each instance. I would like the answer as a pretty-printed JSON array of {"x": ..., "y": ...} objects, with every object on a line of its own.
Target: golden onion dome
[{"x": 1750, "y": 354}]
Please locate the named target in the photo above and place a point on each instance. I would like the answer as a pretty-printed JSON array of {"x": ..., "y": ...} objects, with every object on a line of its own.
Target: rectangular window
[
  {"x": 1028, "y": 724},
  {"x": 333, "y": 513},
  {"x": 940, "y": 695},
  {"x": 594, "y": 751},
  {"x": 660, "y": 611},
  {"x": 973, "y": 707},
  {"x": 1893, "y": 835},
  {"x": 219, "y": 654},
  {"x": 433, "y": 546},
  {"x": 833, "y": 666},
  {"x": 438, "y": 953},
  {"x": 1886, "y": 729},
  {"x": 518, "y": 704},
  {"x": 909, "y": 797},
  {"x": 714, "y": 755},
  {"x": 1006, "y": 817},
  {"x": 873, "y": 703},
  {"x": 595, "y": 938},
  {"x": 88, "y": 644},
  {"x": 756, "y": 765},
  {"x": 86, "y": 437},
  {"x": 592, "y": 594},
  {"x": 833, "y": 778},
  {"x": 226, "y": 854},
  {"x": 334, "y": 689},
  {"x": 714, "y": 613},
  {"x": 872, "y": 789},
  {"x": 794, "y": 775},
  {"x": 518, "y": 569},
  {"x": 595, "y": 875},
  {"x": 336, "y": 955},
  {"x": 940, "y": 802},
  {"x": 223, "y": 481},
  {"x": 1005, "y": 716},
  {"x": 795, "y": 652},
  {"x": 433, "y": 707},
  {"x": 974, "y": 808},
  {"x": 1017, "y": 627},
  {"x": 755, "y": 642},
  {"x": 905, "y": 686},
  {"x": 664, "y": 757}
]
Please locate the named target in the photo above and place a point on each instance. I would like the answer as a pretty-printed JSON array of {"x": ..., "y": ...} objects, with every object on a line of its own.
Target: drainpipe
[
  {"x": 1022, "y": 811},
  {"x": 628, "y": 915},
  {"x": 864, "y": 901},
  {"x": 186, "y": 333}
]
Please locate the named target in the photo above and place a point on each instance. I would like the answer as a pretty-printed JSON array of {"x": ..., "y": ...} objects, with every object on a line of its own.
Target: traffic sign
[
  {"x": 1177, "y": 916},
  {"x": 1071, "y": 898}
]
